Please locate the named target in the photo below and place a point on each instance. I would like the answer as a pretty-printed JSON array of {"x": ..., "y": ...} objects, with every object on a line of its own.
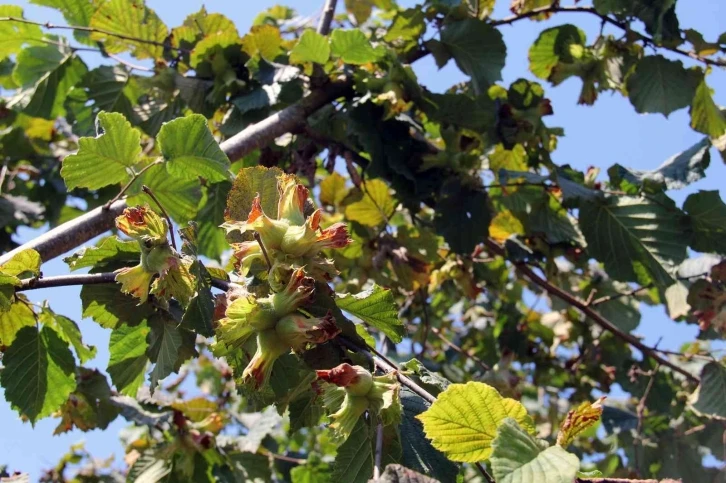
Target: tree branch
[
  {"x": 71, "y": 234},
  {"x": 79, "y": 28},
  {"x": 590, "y": 313},
  {"x": 609, "y": 20},
  {"x": 327, "y": 18},
  {"x": 88, "y": 279}
]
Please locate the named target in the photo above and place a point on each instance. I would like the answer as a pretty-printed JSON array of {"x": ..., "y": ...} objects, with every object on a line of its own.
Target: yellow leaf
[
  {"x": 504, "y": 225},
  {"x": 512, "y": 160},
  {"x": 333, "y": 190},
  {"x": 263, "y": 40},
  {"x": 375, "y": 207},
  {"x": 463, "y": 421}
]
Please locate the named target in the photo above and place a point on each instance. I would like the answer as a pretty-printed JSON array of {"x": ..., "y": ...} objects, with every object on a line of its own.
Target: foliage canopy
[{"x": 322, "y": 271}]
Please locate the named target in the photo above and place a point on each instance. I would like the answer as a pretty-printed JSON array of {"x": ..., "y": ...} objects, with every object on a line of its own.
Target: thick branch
[
  {"x": 590, "y": 313},
  {"x": 71, "y": 234},
  {"x": 327, "y": 17}
]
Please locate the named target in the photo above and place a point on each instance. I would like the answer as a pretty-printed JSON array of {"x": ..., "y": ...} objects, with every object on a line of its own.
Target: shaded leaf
[
  {"x": 108, "y": 250},
  {"x": 39, "y": 372},
  {"x": 708, "y": 218},
  {"x": 518, "y": 457},
  {"x": 69, "y": 332},
  {"x": 354, "y": 462},
  {"x": 460, "y": 206},
  {"x": 661, "y": 85},
  {"x": 709, "y": 396}
]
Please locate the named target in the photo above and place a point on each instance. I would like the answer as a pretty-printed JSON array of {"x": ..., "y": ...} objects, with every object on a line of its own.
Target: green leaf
[
  {"x": 164, "y": 343},
  {"x": 200, "y": 311},
  {"x": 676, "y": 172},
  {"x": 109, "y": 307},
  {"x": 310, "y": 473},
  {"x": 148, "y": 468},
  {"x": 45, "y": 75},
  {"x": 478, "y": 49},
  {"x": 518, "y": 457},
  {"x": 553, "y": 46},
  {"x": 464, "y": 419},
  {"x": 376, "y": 307},
  {"x": 661, "y": 85},
  {"x": 360, "y": 10},
  {"x": 354, "y": 462},
  {"x": 460, "y": 206},
  {"x": 708, "y": 218},
  {"x": 709, "y": 396},
  {"x": 76, "y": 12},
  {"x": 105, "y": 159},
  {"x": 69, "y": 332},
  {"x": 248, "y": 183},
  {"x": 353, "y": 47},
  {"x": 39, "y": 372},
  {"x": 211, "y": 241},
  {"x": 637, "y": 239},
  {"x": 15, "y": 35},
  {"x": 13, "y": 319},
  {"x": 127, "y": 362},
  {"x": 25, "y": 263},
  {"x": 400, "y": 474},
  {"x": 311, "y": 47},
  {"x": 417, "y": 452},
  {"x": 191, "y": 151},
  {"x": 375, "y": 207},
  {"x": 706, "y": 117},
  {"x": 179, "y": 196},
  {"x": 111, "y": 89},
  {"x": 133, "y": 20},
  {"x": 249, "y": 467},
  {"x": 479, "y": 113},
  {"x": 108, "y": 250}
]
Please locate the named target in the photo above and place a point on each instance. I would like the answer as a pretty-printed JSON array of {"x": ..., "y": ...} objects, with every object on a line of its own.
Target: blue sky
[{"x": 610, "y": 132}]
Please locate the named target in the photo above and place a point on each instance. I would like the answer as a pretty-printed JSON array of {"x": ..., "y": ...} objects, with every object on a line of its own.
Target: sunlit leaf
[
  {"x": 375, "y": 207},
  {"x": 311, "y": 47},
  {"x": 129, "y": 20},
  {"x": 376, "y": 307}
]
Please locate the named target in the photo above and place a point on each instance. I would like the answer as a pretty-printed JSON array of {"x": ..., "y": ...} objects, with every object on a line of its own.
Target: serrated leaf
[
  {"x": 69, "y": 332},
  {"x": 417, "y": 451},
  {"x": 311, "y": 47},
  {"x": 554, "y": 45},
  {"x": 460, "y": 206},
  {"x": 76, "y": 12},
  {"x": 15, "y": 35},
  {"x": 478, "y": 49},
  {"x": 264, "y": 41},
  {"x": 39, "y": 372},
  {"x": 104, "y": 88},
  {"x": 661, "y": 85},
  {"x": 191, "y": 151},
  {"x": 45, "y": 75},
  {"x": 333, "y": 189},
  {"x": 248, "y": 183},
  {"x": 211, "y": 241},
  {"x": 464, "y": 419},
  {"x": 26, "y": 262},
  {"x": 179, "y": 196},
  {"x": 706, "y": 117},
  {"x": 708, "y": 218},
  {"x": 108, "y": 250},
  {"x": 164, "y": 340},
  {"x": 635, "y": 237},
  {"x": 518, "y": 457},
  {"x": 376, "y": 307},
  {"x": 709, "y": 396},
  {"x": 353, "y": 47},
  {"x": 105, "y": 159},
  {"x": 127, "y": 357},
  {"x": 133, "y": 20},
  {"x": 375, "y": 207},
  {"x": 676, "y": 172},
  {"x": 13, "y": 319},
  {"x": 109, "y": 307},
  {"x": 354, "y": 462}
]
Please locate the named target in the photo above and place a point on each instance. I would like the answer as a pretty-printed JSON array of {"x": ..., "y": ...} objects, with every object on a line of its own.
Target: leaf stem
[
  {"x": 258, "y": 238},
  {"x": 131, "y": 181},
  {"x": 148, "y": 191}
]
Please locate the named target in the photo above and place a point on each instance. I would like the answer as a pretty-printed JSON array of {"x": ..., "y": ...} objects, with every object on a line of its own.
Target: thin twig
[
  {"x": 128, "y": 64},
  {"x": 88, "y": 279},
  {"x": 466, "y": 354},
  {"x": 379, "y": 452},
  {"x": 604, "y": 18},
  {"x": 484, "y": 473},
  {"x": 426, "y": 322},
  {"x": 590, "y": 313},
  {"x": 50, "y": 26},
  {"x": 128, "y": 185},
  {"x": 629, "y": 293},
  {"x": 258, "y": 238},
  {"x": 640, "y": 411},
  {"x": 327, "y": 17},
  {"x": 148, "y": 191}
]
